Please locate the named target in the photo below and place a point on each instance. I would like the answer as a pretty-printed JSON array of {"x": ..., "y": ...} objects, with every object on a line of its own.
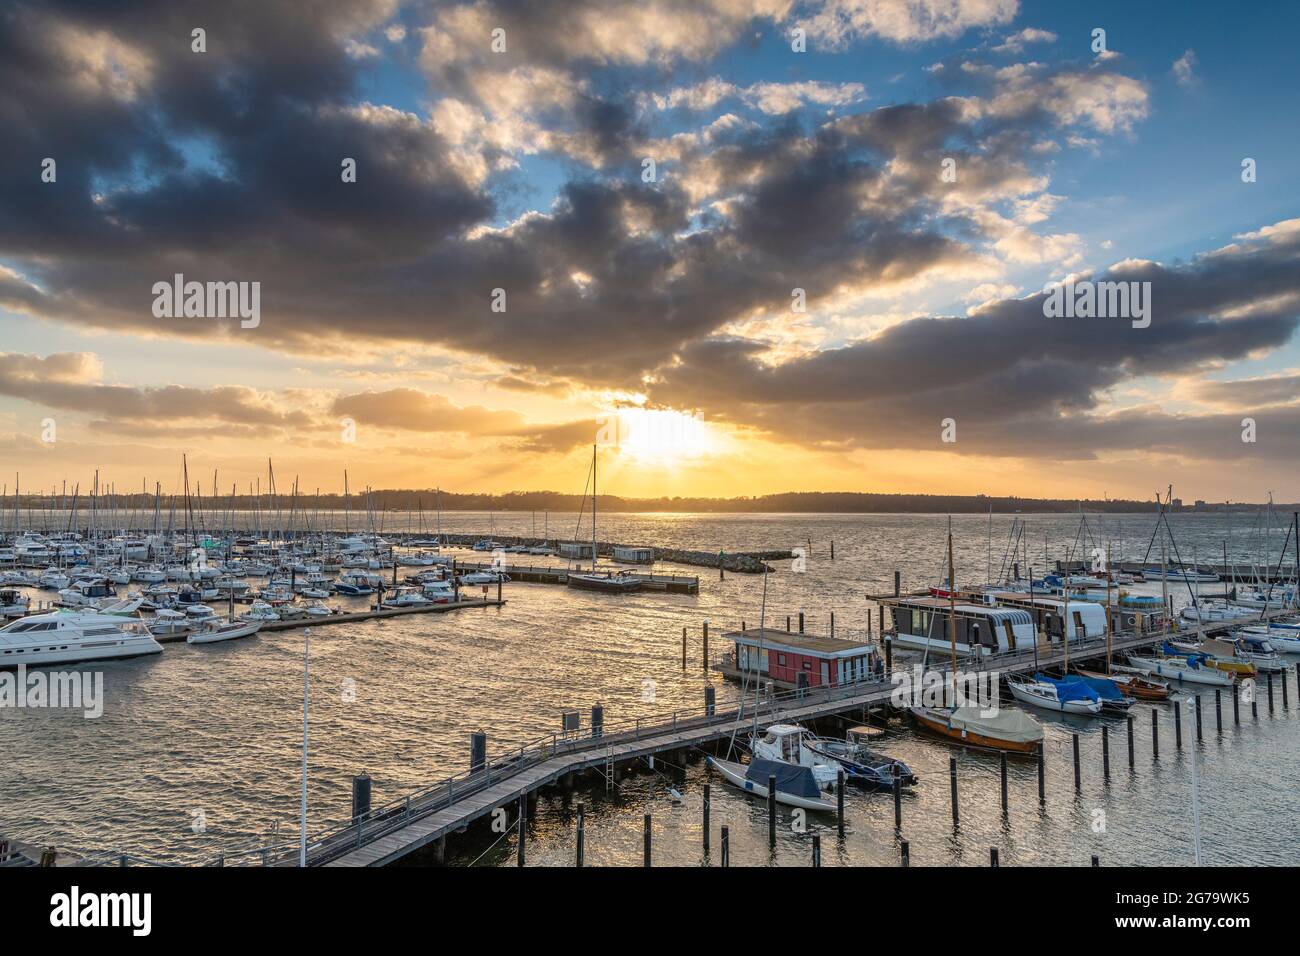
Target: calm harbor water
[{"x": 211, "y": 735}]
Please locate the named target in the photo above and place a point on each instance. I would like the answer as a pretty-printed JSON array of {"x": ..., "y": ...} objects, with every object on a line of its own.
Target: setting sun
[{"x": 664, "y": 437}]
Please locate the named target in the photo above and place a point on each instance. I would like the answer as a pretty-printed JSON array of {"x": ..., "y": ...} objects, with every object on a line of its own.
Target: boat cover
[
  {"x": 1069, "y": 688},
  {"x": 790, "y": 778},
  {"x": 1011, "y": 725},
  {"x": 1103, "y": 687}
]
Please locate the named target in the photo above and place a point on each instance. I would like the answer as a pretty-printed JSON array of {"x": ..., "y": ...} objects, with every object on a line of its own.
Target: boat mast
[
  {"x": 1108, "y": 639},
  {"x": 593, "y": 509},
  {"x": 952, "y": 614}
]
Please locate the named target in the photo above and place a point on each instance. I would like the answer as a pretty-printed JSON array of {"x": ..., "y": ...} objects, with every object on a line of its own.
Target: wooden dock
[
  {"x": 551, "y": 574},
  {"x": 391, "y": 832}
]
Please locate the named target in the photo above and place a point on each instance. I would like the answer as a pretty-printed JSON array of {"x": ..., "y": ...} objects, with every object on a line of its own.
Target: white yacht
[
  {"x": 53, "y": 579},
  {"x": 70, "y": 637}
]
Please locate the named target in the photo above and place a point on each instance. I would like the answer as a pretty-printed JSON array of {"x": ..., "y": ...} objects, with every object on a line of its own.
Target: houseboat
[
  {"x": 781, "y": 656},
  {"x": 922, "y": 623}
]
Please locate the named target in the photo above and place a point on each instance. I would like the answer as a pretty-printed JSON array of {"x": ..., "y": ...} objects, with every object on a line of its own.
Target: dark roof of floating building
[{"x": 797, "y": 643}]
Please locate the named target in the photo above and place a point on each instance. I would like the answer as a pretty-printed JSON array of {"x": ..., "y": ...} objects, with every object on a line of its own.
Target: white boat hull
[
  {"x": 1026, "y": 695},
  {"x": 1169, "y": 669},
  {"x": 735, "y": 774},
  {"x": 226, "y": 633}
]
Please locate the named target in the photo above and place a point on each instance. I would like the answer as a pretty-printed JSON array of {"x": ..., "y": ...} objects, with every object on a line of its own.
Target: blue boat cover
[
  {"x": 1104, "y": 686},
  {"x": 790, "y": 778},
  {"x": 1071, "y": 688}
]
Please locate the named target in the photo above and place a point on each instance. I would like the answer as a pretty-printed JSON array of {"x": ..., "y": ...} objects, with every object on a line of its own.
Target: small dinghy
[
  {"x": 225, "y": 632},
  {"x": 1219, "y": 654},
  {"x": 1191, "y": 669},
  {"x": 1049, "y": 693},
  {"x": 795, "y": 785},
  {"x": 1134, "y": 684}
]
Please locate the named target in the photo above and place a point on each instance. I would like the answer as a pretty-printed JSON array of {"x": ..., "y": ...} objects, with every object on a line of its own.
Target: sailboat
[
  {"x": 975, "y": 726},
  {"x": 608, "y": 582}
]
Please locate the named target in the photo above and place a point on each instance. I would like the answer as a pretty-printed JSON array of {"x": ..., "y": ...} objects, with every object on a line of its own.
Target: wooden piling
[
  {"x": 1003, "y": 767},
  {"x": 801, "y": 622},
  {"x": 726, "y": 847},
  {"x": 1286, "y": 704},
  {"x": 1218, "y": 711},
  {"x": 683, "y": 648},
  {"x": 817, "y": 850},
  {"x": 707, "y": 797},
  {"x": 1155, "y": 734},
  {"x": 771, "y": 811},
  {"x": 1105, "y": 753},
  {"x": 647, "y": 841},
  {"x": 1042, "y": 778},
  {"x": 905, "y": 852},
  {"x": 1254, "y": 700},
  {"x": 839, "y": 804},
  {"x": 1096, "y": 860},
  {"x": 581, "y": 833},
  {"x": 523, "y": 820},
  {"x": 898, "y": 583},
  {"x": 1178, "y": 724},
  {"x": 1198, "y": 718},
  {"x": 952, "y": 777},
  {"x": 1129, "y": 721},
  {"x": 898, "y": 799},
  {"x": 1270, "y": 693},
  {"x": 1236, "y": 707},
  {"x": 993, "y": 856},
  {"x": 1078, "y": 783},
  {"x": 706, "y": 646}
]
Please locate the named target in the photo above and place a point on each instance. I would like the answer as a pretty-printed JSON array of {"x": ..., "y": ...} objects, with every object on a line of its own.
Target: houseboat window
[
  {"x": 780, "y": 659},
  {"x": 826, "y": 672}
]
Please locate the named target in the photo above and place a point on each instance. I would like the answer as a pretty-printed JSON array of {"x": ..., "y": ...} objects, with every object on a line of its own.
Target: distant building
[{"x": 1177, "y": 504}]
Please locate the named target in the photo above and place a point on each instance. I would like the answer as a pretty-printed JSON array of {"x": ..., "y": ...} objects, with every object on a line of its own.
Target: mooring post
[
  {"x": 581, "y": 832},
  {"x": 1270, "y": 693},
  {"x": 726, "y": 847},
  {"x": 832, "y": 549},
  {"x": 952, "y": 778},
  {"x": 1129, "y": 721},
  {"x": 597, "y": 721},
  {"x": 898, "y": 799},
  {"x": 1178, "y": 724},
  {"x": 706, "y": 818},
  {"x": 898, "y": 579},
  {"x": 1105, "y": 753},
  {"x": 360, "y": 797},
  {"x": 706, "y": 646},
  {"x": 839, "y": 804},
  {"x": 817, "y": 850},
  {"x": 647, "y": 839},
  {"x": 905, "y": 852},
  {"x": 477, "y": 751},
  {"x": 1155, "y": 734},
  {"x": 1236, "y": 707},
  {"x": 710, "y": 701},
  {"x": 833, "y": 624},
  {"x": 523, "y": 819},
  {"x": 801, "y": 622},
  {"x": 889, "y": 655},
  {"x": 1096, "y": 860},
  {"x": 1198, "y": 718},
  {"x": 1218, "y": 711},
  {"x": 1002, "y": 755},
  {"x": 771, "y": 811},
  {"x": 683, "y": 648},
  {"x": 1078, "y": 784},
  {"x": 1042, "y": 778},
  {"x": 1254, "y": 700},
  {"x": 1286, "y": 704},
  {"x": 993, "y": 856}
]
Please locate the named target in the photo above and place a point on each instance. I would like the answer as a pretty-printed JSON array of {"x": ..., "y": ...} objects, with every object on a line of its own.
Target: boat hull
[
  {"x": 1162, "y": 667},
  {"x": 941, "y": 726},
  {"x": 585, "y": 582},
  {"x": 735, "y": 774},
  {"x": 1087, "y": 708}
]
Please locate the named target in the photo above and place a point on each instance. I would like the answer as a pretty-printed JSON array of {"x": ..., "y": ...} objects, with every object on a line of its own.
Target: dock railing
[{"x": 336, "y": 837}]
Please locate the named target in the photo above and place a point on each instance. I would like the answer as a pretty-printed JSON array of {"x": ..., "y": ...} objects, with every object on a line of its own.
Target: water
[{"x": 211, "y": 735}]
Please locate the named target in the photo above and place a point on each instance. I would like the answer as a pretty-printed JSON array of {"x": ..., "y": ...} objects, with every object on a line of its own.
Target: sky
[{"x": 742, "y": 246}]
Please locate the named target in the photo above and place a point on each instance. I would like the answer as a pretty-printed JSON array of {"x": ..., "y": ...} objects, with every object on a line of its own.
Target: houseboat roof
[
  {"x": 813, "y": 644},
  {"x": 961, "y": 606}
]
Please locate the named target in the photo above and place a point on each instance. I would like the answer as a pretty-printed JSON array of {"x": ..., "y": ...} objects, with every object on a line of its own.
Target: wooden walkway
[{"x": 454, "y": 805}]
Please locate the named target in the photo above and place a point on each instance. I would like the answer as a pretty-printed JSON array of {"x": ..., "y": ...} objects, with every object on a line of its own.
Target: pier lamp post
[{"x": 306, "y": 669}]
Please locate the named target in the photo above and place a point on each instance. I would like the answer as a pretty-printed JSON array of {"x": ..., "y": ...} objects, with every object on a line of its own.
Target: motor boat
[
  {"x": 862, "y": 765},
  {"x": 1113, "y": 698},
  {"x": 607, "y": 582},
  {"x": 789, "y": 743},
  {"x": 260, "y": 611},
  {"x": 438, "y": 592},
  {"x": 795, "y": 784},
  {"x": 1211, "y": 612},
  {"x": 85, "y": 594},
  {"x": 1260, "y": 652},
  {"x": 224, "y": 632},
  {"x": 1067, "y": 696},
  {"x": 317, "y": 608},
  {"x": 169, "y": 623},
  {"x": 13, "y": 603},
  {"x": 149, "y": 575},
  {"x": 1222, "y": 654},
  {"x": 1280, "y": 637},
  {"x": 405, "y": 597},
  {"x": 485, "y": 577},
  {"x": 53, "y": 579},
  {"x": 16, "y": 579},
  {"x": 72, "y": 637}
]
